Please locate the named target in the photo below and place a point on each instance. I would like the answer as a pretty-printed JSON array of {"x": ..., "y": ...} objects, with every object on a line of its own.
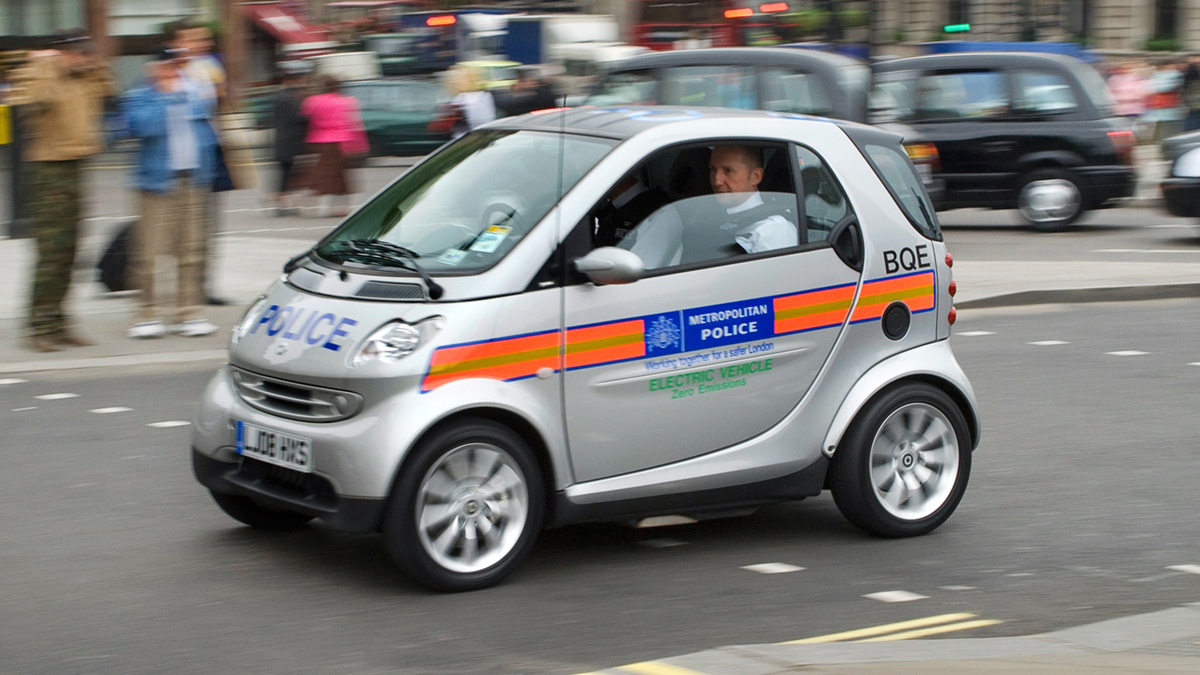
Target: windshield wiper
[{"x": 375, "y": 251}]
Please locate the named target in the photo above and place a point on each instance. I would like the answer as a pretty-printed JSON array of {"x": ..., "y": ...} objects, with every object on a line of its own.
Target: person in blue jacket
[{"x": 170, "y": 115}]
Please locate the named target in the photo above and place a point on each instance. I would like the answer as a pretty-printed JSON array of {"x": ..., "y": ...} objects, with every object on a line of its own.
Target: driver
[{"x": 744, "y": 223}]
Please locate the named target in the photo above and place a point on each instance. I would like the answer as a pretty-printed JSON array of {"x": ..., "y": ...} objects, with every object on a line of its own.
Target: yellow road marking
[
  {"x": 658, "y": 668},
  {"x": 880, "y": 630},
  {"x": 936, "y": 630}
]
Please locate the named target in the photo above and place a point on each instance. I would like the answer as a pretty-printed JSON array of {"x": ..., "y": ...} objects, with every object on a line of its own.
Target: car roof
[
  {"x": 977, "y": 59},
  {"x": 736, "y": 56},
  {"x": 623, "y": 122}
]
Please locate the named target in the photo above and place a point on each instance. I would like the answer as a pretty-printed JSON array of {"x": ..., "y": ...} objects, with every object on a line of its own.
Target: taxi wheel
[
  {"x": 245, "y": 510},
  {"x": 466, "y": 508},
  {"x": 902, "y": 467},
  {"x": 1050, "y": 199}
]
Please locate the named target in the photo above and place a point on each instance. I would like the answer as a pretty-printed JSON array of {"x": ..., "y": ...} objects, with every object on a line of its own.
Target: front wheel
[
  {"x": 1050, "y": 199},
  {"x": 467, "y": 508},
  {"x": 902, "y": 468}
]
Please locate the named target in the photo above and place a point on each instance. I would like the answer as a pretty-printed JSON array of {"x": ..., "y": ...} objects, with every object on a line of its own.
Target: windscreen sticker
[
  {"x": 684, "y": 339},
  {"x": 452, "y": 256},
  {"x": 491, "y": 239}
]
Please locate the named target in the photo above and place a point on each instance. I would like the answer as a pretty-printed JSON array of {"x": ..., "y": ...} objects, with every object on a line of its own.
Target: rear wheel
[
  {"x": 902, "y": 468},
  {"x": 245, "y": 510},
  {"x": 468, "y": 507},
  {"x": 1050, "y": 199}
]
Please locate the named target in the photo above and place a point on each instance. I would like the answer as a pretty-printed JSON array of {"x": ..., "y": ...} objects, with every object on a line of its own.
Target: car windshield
[
  {"x": 395, "y": 96},
  {"x": 466, "y": 207}
]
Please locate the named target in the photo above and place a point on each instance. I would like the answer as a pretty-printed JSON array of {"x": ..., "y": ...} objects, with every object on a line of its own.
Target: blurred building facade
[{"x": 131, "y": 29}]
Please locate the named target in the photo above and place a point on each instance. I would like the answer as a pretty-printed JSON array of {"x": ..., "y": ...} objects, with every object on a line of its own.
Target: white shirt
[
  {"x": 182, "y": 146},
  {"x": 478, "y": 107},
  {"x": 767, "y": 234}
]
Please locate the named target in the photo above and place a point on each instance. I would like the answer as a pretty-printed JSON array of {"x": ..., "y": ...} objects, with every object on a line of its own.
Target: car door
[
  {"x": 966, "y": 114},
  {"x": 698, "y": 354}
]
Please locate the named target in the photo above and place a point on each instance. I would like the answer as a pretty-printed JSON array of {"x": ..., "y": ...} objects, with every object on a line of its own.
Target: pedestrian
[
  {"x": 468, "y": 95},
  {"x": 290, "y": 127},
  {"x": 1191, "y": 93},
  {"x": 170, "y": 115},
  {"x": 62, "y": 91},
  {"x": 530, "y": 92},
  {"x": 1128, "y": 88},
  {"x": 1163, "y": 109},
  {"x": 205, "y": 69},
  {"x": 335, "y": 134}
]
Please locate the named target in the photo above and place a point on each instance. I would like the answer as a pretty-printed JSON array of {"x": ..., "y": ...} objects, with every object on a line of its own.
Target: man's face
[{"x": 730, "y": 173}]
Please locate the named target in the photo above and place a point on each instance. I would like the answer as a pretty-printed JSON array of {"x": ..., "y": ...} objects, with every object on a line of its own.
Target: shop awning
[{"x": 283, "y": 26}]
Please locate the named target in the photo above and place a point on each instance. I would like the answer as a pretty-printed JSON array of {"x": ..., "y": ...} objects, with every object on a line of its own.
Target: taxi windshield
[{"x": 466, "y": 207}]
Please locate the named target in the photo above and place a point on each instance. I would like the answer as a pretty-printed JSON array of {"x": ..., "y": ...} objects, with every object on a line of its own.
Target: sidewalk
[{"x": 1158, "y": 642}]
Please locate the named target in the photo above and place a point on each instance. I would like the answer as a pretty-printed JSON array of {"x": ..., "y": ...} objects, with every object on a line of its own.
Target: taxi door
[{"x": 694, "y": 358}]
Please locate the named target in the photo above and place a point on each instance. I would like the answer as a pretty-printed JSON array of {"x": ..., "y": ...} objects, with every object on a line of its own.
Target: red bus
[{"x": 682, "y": 24}]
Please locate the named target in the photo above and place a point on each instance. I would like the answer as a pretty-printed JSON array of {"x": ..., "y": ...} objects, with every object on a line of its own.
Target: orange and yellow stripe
[
  {"x": 914, "y": 290},
  {"x": 813, "y": 309},
  {"x": 504, "y": 359},
  {"x": 605, "y": 343}
]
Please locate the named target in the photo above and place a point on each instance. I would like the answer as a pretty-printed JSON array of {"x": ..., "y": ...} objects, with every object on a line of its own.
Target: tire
[
  {"x": 245, "y": 510},
  {"x": 466, "y": 508},
  {"x": 1050, "y": 199},
  {"x": 877, "y": 470}
]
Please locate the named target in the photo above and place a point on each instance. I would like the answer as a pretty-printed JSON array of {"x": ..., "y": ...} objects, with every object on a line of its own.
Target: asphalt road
[{"x": 1082, "y": 498}]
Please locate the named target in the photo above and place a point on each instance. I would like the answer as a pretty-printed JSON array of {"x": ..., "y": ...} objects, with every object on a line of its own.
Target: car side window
[
  {"x": 719, "y": 86},
  {"x": 696, "y": 204},
  {"x": 787, "y": 90},
  {"x": 1042, "y": 93},
  {"x": 962, "y": 94},
  {"x": 825, "y": 204}
]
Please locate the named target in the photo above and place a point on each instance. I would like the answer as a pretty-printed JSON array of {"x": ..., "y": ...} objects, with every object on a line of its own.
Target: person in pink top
[
  {"x": 1128, "y": 88},
  {"x": 335, "y": 131}
]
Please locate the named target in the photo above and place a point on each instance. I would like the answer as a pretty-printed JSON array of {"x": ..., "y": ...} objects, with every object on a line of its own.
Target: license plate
[
  {"x": 926, "y": 173},
  {"x": 274, "y": 447}
]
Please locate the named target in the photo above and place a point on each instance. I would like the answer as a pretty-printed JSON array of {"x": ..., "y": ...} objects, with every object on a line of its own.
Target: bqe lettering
[{"x": 907, "y": 259}]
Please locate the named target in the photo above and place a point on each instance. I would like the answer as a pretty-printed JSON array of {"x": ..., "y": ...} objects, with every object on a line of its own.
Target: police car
[{"x": 603, "y": 314}]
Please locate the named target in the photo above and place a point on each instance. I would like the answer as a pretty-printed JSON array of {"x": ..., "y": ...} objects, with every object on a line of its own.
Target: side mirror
[{"x": 611, "y": 265}]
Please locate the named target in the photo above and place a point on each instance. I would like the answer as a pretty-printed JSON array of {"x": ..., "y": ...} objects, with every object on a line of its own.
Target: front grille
[
  {"x": 286, "y": 482},
  {"x": 295, "y": 401}
]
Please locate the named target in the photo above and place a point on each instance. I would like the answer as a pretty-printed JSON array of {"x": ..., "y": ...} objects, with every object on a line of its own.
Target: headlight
[
  {"x": 396, "y": 340},
  {"x": 243, "y": 325}
]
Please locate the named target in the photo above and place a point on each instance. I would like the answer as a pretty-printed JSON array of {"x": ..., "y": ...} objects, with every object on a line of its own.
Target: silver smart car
[{"x": 603, "y": 314}]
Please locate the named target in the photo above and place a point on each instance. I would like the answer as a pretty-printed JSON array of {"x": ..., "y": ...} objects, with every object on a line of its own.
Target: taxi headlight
[
  {"x": 396, "y": 340},
  {"x": 247, "y": 321}
]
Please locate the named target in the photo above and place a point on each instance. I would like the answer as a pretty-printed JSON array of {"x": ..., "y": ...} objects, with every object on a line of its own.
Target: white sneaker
[
  {"x": 196, "y": 328},
  {"x": 146, "y": 330}
]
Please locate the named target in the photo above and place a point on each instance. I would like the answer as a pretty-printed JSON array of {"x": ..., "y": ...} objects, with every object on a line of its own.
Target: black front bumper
[
  {"x": 1182, "y": 196},
  {"x": 289, "y": 490}
]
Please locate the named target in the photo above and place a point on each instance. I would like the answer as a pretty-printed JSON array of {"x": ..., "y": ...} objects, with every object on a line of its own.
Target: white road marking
[
  {"x": 958, "y": 588},
  {"x": 32, "y": 407},
  {"x": 168, "y": 424},
  {"x": 975, "y": 333},
  {"x": 895, "y": 596},
  {"x": 1020, "y": 574},
  {"x": 82, "y": 485},
  {"x": 1127, "y": 352},
  {"x": 1197, "y": 363},
  {"x": 135, "y": 457},
  {"x": 1190, "y": 569},
  {"x": 55, "y": 397},
  {"x": 772, "y": 568},
  {"x": 1049, "y": 343},
  {"x": 661, "y": 543},
  {"x": 107, "y": 411},
  {"x": 11, "y": 380}
]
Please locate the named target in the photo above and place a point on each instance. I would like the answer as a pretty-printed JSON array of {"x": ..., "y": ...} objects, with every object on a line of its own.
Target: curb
[{"x": 1085, "y": 295}]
